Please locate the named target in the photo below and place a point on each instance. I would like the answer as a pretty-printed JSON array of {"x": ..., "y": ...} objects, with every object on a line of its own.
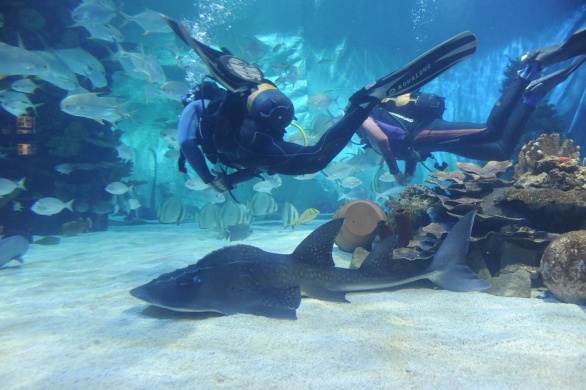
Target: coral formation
[
  {"x": 544, "y": 163},
  {"x": 548, "y": 209},
  {"x": 514, "y": 217}
]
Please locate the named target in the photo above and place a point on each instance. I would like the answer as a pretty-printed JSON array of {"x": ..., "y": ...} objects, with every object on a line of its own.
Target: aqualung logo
[
  {"x": 244, "y": 69},
  {"x": 409, "y": 81}
]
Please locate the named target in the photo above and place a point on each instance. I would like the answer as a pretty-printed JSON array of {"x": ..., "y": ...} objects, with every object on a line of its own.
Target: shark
[{"x": 247, "y": 279}]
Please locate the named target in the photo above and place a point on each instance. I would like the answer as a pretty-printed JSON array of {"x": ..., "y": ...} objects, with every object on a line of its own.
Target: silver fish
[
  {"x": 90, "y": 105},
  {"x": 17, "y": 101},
  {"x": 290, "y": 214},
  {"x": 232, "y": 214},
  {"x": 321, "y": 100},
  {"x": 7, "y": 186},
  {"x": 211, "y": 196},
  {"x": 262, "y": 204},
  {"x": 50, "y": 206},
  {"x": 151, "y": 21},
  {"x": 104, "y": 32},
  {"x": 149, "y": 65},
  {"x": 175, "y": 89},
  {"x": 17, "y": 61},
  {"x": 208, "y": 217},
  {"x": 117, "y": 188},
  {"x": 365, "y": 160},
  {"x": 196, "y": 184},
  {"x": 24, "y": 86},
  {"x": 65, "y": 168},
  {"x": 85, "y": 64},
  {"x": 172, "y": 211},
  {"x": 94, "y": 12},
  {"x": 59, "y": 73},
  {"x": 338, "y": 170},
  {"x": 350, "y": 182},
  {"x": 268, "y": 184},
  {"x": 355, "y": 193}
]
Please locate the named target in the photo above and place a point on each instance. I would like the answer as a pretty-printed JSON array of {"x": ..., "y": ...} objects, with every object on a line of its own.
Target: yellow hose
[{"x": 302, "y": 133}]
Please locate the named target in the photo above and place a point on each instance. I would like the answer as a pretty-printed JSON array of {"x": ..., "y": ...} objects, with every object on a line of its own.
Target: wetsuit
[
  {"x": 409, "y": 138},
  {"x": 227, "y": 135},
  {"x": 397, "y": 136}
]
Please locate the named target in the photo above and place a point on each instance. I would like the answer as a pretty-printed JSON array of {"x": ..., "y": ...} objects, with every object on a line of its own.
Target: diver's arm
[
  {"x": 195, "y": 158},
  {"x": 188, "y": 123},
  {"x": 411, "y": 163},
  {"x": 376, "y": 134}
]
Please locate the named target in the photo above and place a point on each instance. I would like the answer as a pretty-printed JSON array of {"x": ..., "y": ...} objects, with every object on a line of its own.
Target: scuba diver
[
  {"x": 409, "y": 127},
  {"x": 242, "y": 125}
]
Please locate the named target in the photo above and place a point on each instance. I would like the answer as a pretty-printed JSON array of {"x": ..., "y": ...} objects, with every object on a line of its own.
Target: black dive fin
[
  {"x": 546, "y": 83},
  {"x": 427, "y": 66},
  {"x": 316, "y": 249},
  {"x": 448, "y": 269},
  {"x": 233, "y": 73}
]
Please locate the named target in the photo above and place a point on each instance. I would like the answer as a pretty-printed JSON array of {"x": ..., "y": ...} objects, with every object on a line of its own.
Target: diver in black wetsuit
[
  {"x": 409, "y": 127},
  {"x": 247, "y": 133}
]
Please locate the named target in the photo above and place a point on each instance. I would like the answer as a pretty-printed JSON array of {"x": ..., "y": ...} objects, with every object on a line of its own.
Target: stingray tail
[{"x": 449, "y": 269}]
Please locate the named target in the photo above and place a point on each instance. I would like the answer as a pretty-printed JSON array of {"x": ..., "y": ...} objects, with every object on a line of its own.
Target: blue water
[
  {"x": 336, "y": 46},
  {"x": 69, "y": 319}
]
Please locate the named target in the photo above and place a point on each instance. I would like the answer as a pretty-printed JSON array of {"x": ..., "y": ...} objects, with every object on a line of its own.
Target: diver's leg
[
  {"x": 546, "y": 56},
  {"x": 504, "y": 106},
  {"x": 534, "y": 94}
]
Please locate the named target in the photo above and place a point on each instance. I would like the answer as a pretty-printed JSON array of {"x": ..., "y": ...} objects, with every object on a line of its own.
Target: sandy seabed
[{"x": 67, "y": 321}]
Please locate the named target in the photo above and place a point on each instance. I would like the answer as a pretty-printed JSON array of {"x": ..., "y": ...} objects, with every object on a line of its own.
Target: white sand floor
[{"x": 67, "y": 321}]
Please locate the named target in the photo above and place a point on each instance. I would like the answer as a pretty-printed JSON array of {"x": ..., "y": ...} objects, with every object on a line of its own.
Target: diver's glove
[
  {"x": 402, "y": 179},
  {"x": 220, "y": 184}
]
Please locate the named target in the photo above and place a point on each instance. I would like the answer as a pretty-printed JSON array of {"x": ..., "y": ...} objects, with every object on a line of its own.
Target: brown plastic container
[{"x": 359, "y": 229}]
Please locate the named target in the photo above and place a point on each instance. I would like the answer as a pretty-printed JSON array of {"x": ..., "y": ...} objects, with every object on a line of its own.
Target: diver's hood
[{"x": 270, "y": 108}]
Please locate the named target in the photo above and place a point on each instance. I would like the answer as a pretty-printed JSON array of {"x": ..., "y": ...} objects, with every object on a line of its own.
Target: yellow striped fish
[{"x": 306, "y": 217}]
